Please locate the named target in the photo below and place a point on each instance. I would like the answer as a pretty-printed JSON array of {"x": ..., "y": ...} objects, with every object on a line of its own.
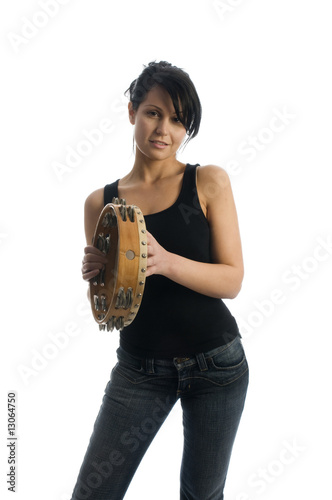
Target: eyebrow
[{"x": 181, "y": 112}]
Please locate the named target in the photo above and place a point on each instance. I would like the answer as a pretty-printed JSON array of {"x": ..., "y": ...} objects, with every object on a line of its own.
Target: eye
[{"x": 152, "y": 113}]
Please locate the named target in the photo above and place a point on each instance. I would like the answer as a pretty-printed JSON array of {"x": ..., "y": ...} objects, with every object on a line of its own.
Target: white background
[{"x": 249, "y": 60}]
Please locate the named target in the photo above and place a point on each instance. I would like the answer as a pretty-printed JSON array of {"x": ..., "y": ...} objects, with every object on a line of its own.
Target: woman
[{"x": 184, "y": 343}]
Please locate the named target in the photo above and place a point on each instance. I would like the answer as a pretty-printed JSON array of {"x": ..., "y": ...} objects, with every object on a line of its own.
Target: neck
[{"x": 151, "y": 171}]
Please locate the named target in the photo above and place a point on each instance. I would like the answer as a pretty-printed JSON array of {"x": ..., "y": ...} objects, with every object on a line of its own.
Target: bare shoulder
[
  {"x": 214, "y": 174},
  {"x": 212, "y": 182},
  {"x": 95, "y": 200}
]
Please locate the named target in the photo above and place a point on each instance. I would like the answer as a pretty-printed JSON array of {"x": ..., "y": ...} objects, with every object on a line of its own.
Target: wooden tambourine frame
[{"x": 116, "y": 292}]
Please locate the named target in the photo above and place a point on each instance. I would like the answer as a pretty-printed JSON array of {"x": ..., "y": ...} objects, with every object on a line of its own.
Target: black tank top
[{"x": 174, "y": 321}]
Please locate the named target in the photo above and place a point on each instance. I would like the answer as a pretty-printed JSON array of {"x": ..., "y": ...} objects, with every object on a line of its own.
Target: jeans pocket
[
  {"x": 229, "y": 363},
  {"x": 230, "y": 357},
  {"x": 130, "y": 367}
]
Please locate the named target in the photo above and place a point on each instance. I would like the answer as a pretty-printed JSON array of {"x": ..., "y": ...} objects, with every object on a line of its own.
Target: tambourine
[{"x": 116, "y": 292}]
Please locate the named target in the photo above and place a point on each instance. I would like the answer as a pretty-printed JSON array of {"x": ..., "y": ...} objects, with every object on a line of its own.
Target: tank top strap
[
  {"x": 188, "y": 193},
  {"x": 110, "y": 192}
]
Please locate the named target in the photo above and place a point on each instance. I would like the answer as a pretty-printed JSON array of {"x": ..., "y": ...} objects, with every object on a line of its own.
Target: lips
[{"x": 160, "y": 142}]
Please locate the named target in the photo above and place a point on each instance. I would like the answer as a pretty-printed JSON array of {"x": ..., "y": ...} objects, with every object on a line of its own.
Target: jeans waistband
[{"x": 148, "y": 363}]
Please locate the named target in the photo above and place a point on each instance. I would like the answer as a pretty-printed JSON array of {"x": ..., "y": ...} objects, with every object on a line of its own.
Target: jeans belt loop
[
  {"x": 149, "y": 365},
  {"x": 201, "y": 362}
]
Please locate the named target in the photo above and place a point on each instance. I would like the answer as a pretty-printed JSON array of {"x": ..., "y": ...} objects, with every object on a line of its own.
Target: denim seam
[
  {"x": 233, "y": 367},
  {"x": 227, "y": 383},
  {"x": 145, "y": 378}
]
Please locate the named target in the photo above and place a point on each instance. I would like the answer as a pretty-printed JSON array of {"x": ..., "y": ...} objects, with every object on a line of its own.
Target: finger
[
  {"x": 150, "y": 238},
  {"x": 150, "y": 262},
  {"x": 95, "y": 258},
  {"x": 91, "y": 266},
  {"x": 88, "y": 276},
  {"x": 91, "y": 249},
  {"x": 150, "y": 271},
  {"x": 150, "y": 250}
]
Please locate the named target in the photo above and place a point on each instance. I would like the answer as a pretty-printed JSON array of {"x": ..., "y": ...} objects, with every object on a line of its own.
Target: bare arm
[
  {"x": 92, "y": 208},
  {"x": 223, "y": 278},
  {"x": 93, "y": 259}
]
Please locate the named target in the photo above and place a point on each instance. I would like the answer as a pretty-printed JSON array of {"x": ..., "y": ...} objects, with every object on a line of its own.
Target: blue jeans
[{"x": 212, "y": 388}]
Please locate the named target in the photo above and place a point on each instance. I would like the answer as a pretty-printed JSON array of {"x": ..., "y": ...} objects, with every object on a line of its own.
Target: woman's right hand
[{"x": 93, "y": 261}]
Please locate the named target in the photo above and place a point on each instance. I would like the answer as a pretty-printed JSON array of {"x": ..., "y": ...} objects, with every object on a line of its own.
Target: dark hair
[{"x": 180, "y": 88}]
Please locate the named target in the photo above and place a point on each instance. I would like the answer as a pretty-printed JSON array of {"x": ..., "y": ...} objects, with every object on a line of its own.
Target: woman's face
[{"x": 158, "y": 132}]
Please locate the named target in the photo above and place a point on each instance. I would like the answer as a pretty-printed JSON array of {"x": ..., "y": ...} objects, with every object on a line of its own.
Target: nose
[{"x": 162, "y": 128}]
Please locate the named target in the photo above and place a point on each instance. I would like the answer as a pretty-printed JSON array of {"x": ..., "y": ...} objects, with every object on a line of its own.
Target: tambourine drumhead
[{"x": 116, "y": 293}]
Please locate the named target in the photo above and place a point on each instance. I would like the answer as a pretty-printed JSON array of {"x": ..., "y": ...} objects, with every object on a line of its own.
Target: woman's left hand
[{"x": 158, "y": 257}]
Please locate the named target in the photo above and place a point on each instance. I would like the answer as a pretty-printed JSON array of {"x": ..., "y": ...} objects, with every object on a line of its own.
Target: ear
[{"x": 132, "y": 113}]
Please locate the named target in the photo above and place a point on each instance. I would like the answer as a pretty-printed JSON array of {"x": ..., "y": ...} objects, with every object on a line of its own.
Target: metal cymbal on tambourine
[{"x": 116, "y": 292}]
